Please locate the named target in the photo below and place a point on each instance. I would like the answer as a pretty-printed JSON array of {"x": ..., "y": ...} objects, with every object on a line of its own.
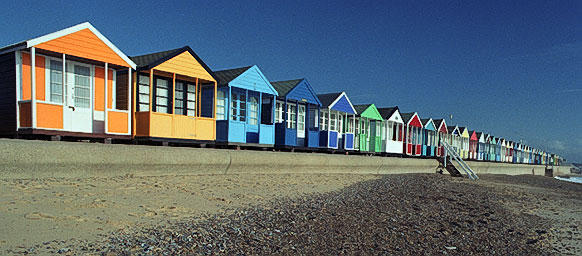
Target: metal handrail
[{"x": 448, "y": 149}]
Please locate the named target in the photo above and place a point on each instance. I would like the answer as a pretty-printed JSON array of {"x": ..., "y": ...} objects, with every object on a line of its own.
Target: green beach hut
[{"x": 368, "y": 128}]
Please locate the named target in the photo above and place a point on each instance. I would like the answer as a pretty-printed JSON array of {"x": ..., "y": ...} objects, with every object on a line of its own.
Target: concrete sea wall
[{"x": 22, "y": 159}]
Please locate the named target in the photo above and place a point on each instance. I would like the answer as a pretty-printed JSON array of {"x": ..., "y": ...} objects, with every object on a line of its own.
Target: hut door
[
  {"x": 78, "y": 116},
  {"x": 301, "y": 121}
]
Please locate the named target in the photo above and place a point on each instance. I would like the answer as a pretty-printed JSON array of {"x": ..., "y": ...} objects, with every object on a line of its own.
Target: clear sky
[{"x": 513, "y": 69}]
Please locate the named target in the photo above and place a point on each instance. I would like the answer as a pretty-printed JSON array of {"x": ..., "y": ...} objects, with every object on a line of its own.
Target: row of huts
[{"x": 76, "y": 83}]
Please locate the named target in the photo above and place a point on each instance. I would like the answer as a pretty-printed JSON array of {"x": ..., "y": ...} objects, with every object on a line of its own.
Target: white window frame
[
  {"x": 291, "y": 116},
  {"x": 253, "y": 111},
  {"x": 220, "y": 105},
  {"x": 279, "y": 105},
  {"x": 301, "y": 120}
]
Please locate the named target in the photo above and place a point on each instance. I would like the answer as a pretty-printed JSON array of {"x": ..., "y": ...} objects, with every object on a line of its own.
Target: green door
[{"x": 365, "y": 127}]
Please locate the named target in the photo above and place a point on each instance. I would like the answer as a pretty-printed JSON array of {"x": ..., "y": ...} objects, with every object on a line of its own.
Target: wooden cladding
[{"x": 84, "y": 44}]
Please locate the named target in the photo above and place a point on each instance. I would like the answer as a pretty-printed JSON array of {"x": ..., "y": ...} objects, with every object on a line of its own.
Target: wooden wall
[{"x": 8, "y": 95}]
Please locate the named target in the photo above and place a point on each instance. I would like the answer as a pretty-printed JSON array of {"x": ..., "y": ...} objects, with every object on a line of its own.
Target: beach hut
[
  {"x": 480, "y": 146},
  {"x": 473, "y": 145},
  {"x": 337, "y": 121},
  {"x": 249, "y": 118},
  {"x": 413, "y": 134},
  {"x": 429, "y": 137},
  {"x": 65, "y": 83},
  {"x": 455, "y": 138},
  {"x": 297, "y": 115},
  {"x": 174, "y": 98},
  {"x": 500, "y": 150},
  {"x": 393, "y": 130},
  {"x": 517, "y": 153},
  {"x": 493, "y": 149},
  {"x": 442, "y": 135},
  {"x": 368, "y": 128},
  {"x": 509, "y": 152},
  {"x": 465, "y": 137},
  {"x": 485, "y": 152}
]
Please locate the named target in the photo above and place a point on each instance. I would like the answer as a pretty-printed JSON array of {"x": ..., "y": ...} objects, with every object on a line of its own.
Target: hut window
[
  {"x": 301, "y": 121},
  {"x": 82, "y": 83},
  {"x": 279, "y": 110},
  {"x": 254, "y": 111},
  {"x": 323, "y": 120},
  {"x": 143, "y": 93},
  {"x": 56, "y": 81},
  {"x": 220, "y": 105},
  {"x": 340, "y": 124},
  {"x": 351, "y": 124},
  {"x": 185, "y": 98},
  {"x": 291, "y": 116},
  {"x": 378, "y": 128},
  {"x": 267, "y": 109},
  {"x": 313, "y": 123},
  {"x": 179, "y": 98},
  {"x": 190, "y": 99},
  {"x": 162, "y": 93},
  {"x": 238, "y": 107},
  {"x": 332, "y": 121}
]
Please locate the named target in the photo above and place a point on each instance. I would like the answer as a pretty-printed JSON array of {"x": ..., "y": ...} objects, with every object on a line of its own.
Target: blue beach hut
[
  {"x": 244, "y": 107},
  {"x": 296, "y": 114},
  {"x": 429, "y": 137},
  {"x": 337, "y": 123}
]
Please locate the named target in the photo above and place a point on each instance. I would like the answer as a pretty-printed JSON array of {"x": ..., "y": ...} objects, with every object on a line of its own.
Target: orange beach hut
[{"x": 65, "y": 84}]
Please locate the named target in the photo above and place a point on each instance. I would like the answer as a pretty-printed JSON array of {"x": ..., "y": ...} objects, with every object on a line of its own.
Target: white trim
[
  {"x": 105, "y": 96},
  {"x": 76, "y": 28},
  {"x": 33, "y": 85},
  {"x": 129, "y": 102},
  {"x": 348, "y": 99},
  {"x": 18, "y": 63},
  {"x": 118, "y": 111},
  {"x": 429, "y": 121}
]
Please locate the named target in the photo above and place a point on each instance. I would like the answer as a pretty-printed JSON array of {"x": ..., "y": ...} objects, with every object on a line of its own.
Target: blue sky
[{"x": 508, "y": 68}]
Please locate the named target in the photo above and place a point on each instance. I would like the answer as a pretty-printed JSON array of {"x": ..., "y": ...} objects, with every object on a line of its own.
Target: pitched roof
[
  {"x": 67, "y": 31},
  {"x": 328, "y": 98},
  {"x": 425, "y": 120},
  {"x": 451, "y": 128},
  {"x": 283, "y": 87},
  {"x": 387, "y": 112},
  {"x": 227, "y": 75},
  {"x": 407, "y": 116},
  {"x": 479, "y": 134},
  {"x": 151, "y": 60},
  {"x": 361, "y": 108},
  {"x": 147, "y": 59}
]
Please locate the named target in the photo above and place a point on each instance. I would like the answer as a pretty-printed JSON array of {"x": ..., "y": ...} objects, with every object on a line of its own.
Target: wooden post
[
  {"x": 198, "y": 98},
  {"x": 33, "y": 85},
  {"x": 129, "y": 103},
  {"x": 106, "y": 97},
  {"x": 151, "y": 91},
  {"x": 173, "y": 93}
]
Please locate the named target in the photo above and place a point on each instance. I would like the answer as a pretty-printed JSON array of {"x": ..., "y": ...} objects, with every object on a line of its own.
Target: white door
[
  {"x": 301, "y": 121},
  {"x": 78, "y": 114}
]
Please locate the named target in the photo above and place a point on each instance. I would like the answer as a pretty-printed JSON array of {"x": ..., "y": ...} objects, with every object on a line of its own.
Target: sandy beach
[{"x": 531, "y": 214}]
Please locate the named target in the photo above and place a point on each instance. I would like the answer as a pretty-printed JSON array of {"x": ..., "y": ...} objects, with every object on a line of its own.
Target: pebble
[{"x": 396, "y": 214}]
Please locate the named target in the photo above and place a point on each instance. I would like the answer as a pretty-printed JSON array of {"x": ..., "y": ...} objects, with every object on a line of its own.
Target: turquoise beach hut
[{"x": 244, "y": 108}]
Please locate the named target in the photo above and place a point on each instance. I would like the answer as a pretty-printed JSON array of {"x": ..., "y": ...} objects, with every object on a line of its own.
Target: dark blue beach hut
[
  {"x": 245, "y": 107},
  {"x": 338, "y": 119},
  {"x": 296, "y": 114}
]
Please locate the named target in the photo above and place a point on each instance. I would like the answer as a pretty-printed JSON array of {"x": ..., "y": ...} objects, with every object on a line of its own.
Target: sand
[
  {"x": 67, "y": 211},
  {"x": 44, "y": 215}
]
